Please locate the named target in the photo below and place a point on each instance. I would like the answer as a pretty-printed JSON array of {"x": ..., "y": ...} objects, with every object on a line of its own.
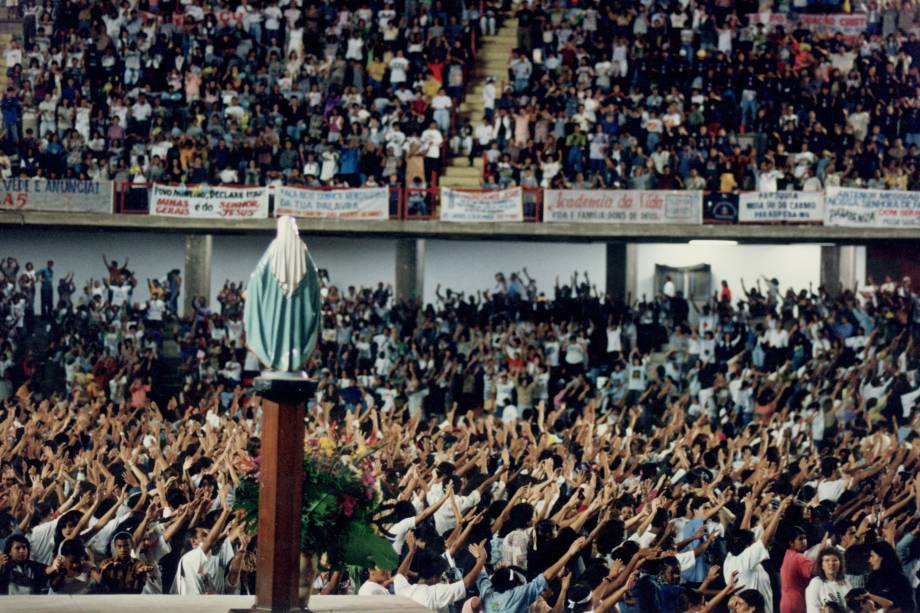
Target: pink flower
[
  {"x": 348, "y": 504},
  {"x": 367, "y": 478}
]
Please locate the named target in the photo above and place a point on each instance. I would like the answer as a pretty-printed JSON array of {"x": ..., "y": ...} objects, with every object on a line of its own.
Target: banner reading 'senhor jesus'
[
  {"x": 209, "y": 202},
  {"x": 623, "y": 206}
]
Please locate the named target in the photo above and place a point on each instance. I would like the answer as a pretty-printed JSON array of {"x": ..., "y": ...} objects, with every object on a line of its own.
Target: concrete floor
[{"x": 194, "y": 604}]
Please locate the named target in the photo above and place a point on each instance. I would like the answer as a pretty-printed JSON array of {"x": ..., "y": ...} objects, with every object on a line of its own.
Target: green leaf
[{"x": 366, "y": 548}]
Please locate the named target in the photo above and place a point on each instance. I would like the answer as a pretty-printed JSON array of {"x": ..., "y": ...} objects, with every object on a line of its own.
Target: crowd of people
[
  {"x": 644, "y": 95},
  {"x": 564, "y": 452},
  {"x": 256, "y": 92},
  {"x": 704, "y": 95}
]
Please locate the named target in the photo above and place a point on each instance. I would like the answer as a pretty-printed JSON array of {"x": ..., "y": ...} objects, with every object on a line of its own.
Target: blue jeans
[{"x": 442, "y": 118}]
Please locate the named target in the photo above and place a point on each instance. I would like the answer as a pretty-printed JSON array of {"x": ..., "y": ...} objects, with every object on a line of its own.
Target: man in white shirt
[
  {"x": 488, "y": 100},
  {"x": 745, "y": 555},
  {"x": 432, "y": 139},
  {"x": 429, "y": 591},
  {"x": 768, "y": 181},
  {"x": 669, "y": 289},
  {"x": 203, "y": 570}
]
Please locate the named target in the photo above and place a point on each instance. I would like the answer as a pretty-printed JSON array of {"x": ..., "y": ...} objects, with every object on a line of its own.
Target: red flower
[{"x": 348, "y": 504}]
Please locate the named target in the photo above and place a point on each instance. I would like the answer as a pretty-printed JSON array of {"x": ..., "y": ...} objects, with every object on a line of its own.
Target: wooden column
[{"x": 280, "y": 491}]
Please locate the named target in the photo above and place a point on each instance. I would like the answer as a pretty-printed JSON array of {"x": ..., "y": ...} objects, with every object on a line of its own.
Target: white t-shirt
[
  {"x": 831, "y": 490},
  {"x": 155, "y": 309},
  {"x": 819, "y": 592},
  {"x": 41, "y": 542},
  {"x": 433, "y": 597},
  {"x": 202, "y": 573},
  {"x": 751, "y": 575},
  {"x": 399, "y": 530},
  {"x": 551, "y": 351},
  {"x": 120, "y": 294},
  {"x": 369, "y": 588},
  {"x": 152, "y": 557}
]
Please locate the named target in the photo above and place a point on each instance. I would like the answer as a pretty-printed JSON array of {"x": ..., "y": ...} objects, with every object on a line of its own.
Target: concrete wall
[
  {"x": 350, "y": 261},
  {"x": 461, "y": 265},
  {"x": 469, "y": 266},
  {"x": 149, "y": 255},
  {"x": 793, "y": 265}
]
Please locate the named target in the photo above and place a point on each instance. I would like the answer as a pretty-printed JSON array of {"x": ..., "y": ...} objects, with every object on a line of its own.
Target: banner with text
[
  {"x": 846, "y": 24},
  {"x": 872, "y": 208},
  {"x": 633, "y": 206},
  {"x": 720, "y": 207},
  {"x": 496, "y": 205},
  {"x": 367, "y": 204},
  {"x": 209, "y": 202},
  {"x": 788, "y": 207},
  {"x": 58, "y": 196}
]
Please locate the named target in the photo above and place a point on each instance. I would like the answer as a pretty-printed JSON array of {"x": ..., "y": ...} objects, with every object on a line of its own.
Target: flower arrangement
[{"x": 339, "y": 505}]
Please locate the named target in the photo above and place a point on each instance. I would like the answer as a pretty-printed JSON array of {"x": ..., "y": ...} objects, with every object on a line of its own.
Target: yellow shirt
[
  {"x": 727, "y": 182},
  {"x": 376, "y": 70}
]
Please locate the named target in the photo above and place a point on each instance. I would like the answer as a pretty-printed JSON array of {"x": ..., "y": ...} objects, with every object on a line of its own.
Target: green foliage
[{"x": 338, "y": 507}]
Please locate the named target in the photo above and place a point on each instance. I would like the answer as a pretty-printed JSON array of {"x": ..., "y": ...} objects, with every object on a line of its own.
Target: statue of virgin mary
[{"x": 282, "y": 311}]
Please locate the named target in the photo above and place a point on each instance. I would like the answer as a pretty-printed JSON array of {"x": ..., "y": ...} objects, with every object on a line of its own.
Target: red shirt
[{"x": 795, "y": 573}]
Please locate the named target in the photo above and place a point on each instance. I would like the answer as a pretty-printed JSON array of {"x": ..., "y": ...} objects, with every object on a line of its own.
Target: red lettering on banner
[
  {"x": 651, "y": 201},
  {"x": 16, "y": 201},
  {"x": 625, "y": 202}
]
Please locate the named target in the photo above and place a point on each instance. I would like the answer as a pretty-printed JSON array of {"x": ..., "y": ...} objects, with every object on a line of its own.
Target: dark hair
[
  {"x": 519, "y": 518},
  {"x": 430, "y": 565},
  {"x": 891, "y": 564},
  {"x": 73, "y": 548},
  {"x": 16, "y": 538},
  {"x": 819, "y": 568},
  {"x": 508, "y": 578},
  {"x": 741, "y": 540},
  {"x": 754, "y": 599}
]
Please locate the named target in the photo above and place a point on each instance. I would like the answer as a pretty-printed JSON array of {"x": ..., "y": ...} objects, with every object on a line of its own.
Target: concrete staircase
[
  {"x": 492, "y": 60},
  {"x": 5, "y": 39}
]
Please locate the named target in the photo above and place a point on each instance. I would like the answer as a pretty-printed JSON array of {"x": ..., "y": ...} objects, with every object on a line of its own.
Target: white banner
[
  {"x": 209, "y": 202},
  {"x": 632, "y": 206},
  {"x": 872, "y": 208},
  {"x": 60, "y": 195},
  {"x": 493, "y": 205},
  {"x": 370, "y": 204},
  {"x": 793, "y": 207},
  {"x": 846, "y": 24}
]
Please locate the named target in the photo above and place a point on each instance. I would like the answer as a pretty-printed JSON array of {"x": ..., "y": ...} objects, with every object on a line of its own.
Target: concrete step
[
  {"x": 462, "y": 162},
  {"x": 463, "y": 171},
  {"x": 461, "y": 183}
]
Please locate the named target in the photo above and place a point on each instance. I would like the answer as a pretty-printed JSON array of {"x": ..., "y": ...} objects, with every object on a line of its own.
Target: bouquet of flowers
[{"x": 339, "y": 505}]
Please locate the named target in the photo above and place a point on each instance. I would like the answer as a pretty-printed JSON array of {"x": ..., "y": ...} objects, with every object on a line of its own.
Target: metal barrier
[
  {"x": 134, "y": 198},
  {"x": 423, "y": 203}
]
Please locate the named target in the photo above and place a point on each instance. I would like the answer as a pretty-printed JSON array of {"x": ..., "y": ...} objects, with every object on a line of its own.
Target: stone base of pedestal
[{"x": 196, "y": 604}]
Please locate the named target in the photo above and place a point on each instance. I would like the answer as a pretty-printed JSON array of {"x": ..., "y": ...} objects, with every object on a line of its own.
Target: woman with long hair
[
  {"x": 887, "y": 579},
  {"x": 829, "y": 584}
]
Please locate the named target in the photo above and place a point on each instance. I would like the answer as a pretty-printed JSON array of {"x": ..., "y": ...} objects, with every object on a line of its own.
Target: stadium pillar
[
  {"x": 198, "y": 249},
  {"x": 410, "y": 268},
  {"x": 621, "y": 269},
  {"x": 830, "y": 268}
]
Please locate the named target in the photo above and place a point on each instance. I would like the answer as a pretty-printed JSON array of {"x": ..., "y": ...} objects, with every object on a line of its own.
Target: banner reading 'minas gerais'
[{"x": 209, "y": 202}]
